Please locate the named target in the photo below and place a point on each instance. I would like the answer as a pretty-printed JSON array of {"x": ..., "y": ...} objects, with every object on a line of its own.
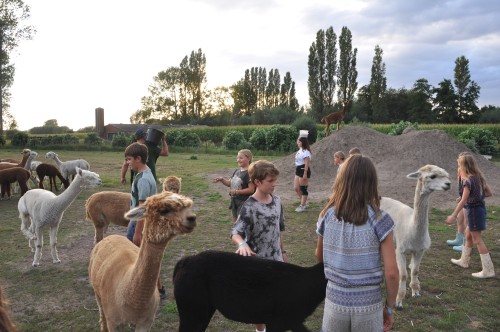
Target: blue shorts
[
  {"x": 476, "y": 217},
  {"x": 131, "y": 230}
]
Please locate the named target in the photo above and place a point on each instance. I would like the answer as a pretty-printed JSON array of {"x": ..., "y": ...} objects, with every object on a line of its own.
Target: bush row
[{"x": 481, "y": 138}]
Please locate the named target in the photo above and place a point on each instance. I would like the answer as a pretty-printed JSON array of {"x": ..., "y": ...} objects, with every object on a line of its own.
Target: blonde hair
[
  {"x": 340, "y": 155},
  {"x": 355, "y": 188},
  {"x": 467, "y": 164},
  {"x": 247, "y": 153}
]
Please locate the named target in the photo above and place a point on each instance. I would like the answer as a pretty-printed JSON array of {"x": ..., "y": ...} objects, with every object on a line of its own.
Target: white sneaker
[{"x": 301, "y": 208}]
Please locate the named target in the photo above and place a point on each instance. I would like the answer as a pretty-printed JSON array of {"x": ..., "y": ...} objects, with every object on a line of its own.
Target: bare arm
[
  {"x": 164, "y": 146},
  {"x": 391, "y": 274},
  {"x": 306, "y": 167},
  {"x": 139, "y": 226},
  {"x": 487, "y": 190},
  {"x": 124, "y": 172},
  {"x": 319, "y": 249},
  {"x": 465, "y": 196},
  {"x": 225, "y": 182}
]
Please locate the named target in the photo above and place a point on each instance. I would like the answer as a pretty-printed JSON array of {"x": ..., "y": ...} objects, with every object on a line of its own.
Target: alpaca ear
[
  {"x": 135, "y": 213},
  {"x": 414, "y": 175},
  {"x": 78, "y": 170}
]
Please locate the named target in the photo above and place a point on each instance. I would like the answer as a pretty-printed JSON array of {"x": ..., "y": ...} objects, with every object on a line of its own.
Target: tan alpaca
[
  {"x": 105, "y": 207},
  {"x": 335, "y": 117},
  {"x": 124, "y": 276}
]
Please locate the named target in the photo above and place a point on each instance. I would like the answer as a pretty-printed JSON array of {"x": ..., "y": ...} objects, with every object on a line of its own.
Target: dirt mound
[{"x": 394, "y": 158}]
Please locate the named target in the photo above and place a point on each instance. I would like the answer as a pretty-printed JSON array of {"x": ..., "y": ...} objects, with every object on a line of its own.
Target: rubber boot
[
  {"x": 458, "y": 248},
  {"x": 464, "y": 259},
  {"x": 488, "y": 269},
  {"x": 459, "y": 240}
]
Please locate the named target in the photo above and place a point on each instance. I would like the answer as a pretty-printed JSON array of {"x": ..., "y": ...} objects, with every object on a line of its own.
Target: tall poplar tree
[
  {"x": 467, "y": 90},
  {"x": 378, "y": 87},
  {"x": 12, "y": 30},
  {"x": 322, "y": 66},
  {"x": 347, "y": 74}
]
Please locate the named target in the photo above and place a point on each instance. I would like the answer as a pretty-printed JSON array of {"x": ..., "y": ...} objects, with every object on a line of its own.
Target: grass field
[{"x": 60, "y": 298}]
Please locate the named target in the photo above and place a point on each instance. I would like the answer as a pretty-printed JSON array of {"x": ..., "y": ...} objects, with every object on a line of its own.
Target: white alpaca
[
  {"x": 40, "y": 208},
  {"x": 68, "y": 168},
  {"x": 124, "y": 276},
  {"x": 29, "y": 166},
  {"x": 411, "y": 232}
]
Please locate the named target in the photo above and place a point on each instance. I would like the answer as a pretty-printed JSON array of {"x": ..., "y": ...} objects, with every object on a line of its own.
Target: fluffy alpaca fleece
[
  {"x": 124, "y": 276},
  {"x": 12, "y": 175},
  {"x": 172, "y": 183},
  {"x": 40, "y": 208},
  {"x": 411, "y": 232},
  {"x": 105, "y": 207},
  {"x": 246, "y": 289}
]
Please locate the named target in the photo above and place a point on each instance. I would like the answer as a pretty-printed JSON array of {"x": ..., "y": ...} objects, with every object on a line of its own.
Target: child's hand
[
  {"x": 217, "y": 179},
  {"x": 388, "y": 320},
  {"x": 450, "y": 220},
  {"x": 245, "y": 250}
]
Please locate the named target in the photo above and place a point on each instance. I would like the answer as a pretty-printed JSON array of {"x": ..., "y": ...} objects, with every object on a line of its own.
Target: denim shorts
[
  {"x": 476, "y": 217},
  {"x": 131, "y": 230}
]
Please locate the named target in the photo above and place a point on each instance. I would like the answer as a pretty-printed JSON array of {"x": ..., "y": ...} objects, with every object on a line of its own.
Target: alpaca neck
[
  {"x": 62, "y": 201},
  {"x": 23, "y": 161},
  {"x": 421, "y": 209},
  {"x": 144, "y": 275}
]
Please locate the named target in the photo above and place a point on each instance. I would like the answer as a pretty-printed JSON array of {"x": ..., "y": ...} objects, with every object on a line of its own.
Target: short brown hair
[
  {"x": 137, "y": 150},
  {"x": 354, "y": 151},
  {"x": 340, "y": 155},
  {"x": 260, "y": 169}
]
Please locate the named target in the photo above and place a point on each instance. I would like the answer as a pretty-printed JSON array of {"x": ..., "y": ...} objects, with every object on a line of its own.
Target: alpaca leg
[
  {"x": 53, "y": 243},
  {"x": 102, "y": 317},
  {"x": 194, "y": 321},
  {"x": 327, "y": 129},
  {"x": 401, "y": 261},
  {"x": 415, "y": 269},
  {"x": 38, "y": 247},
  {"x": 99, "y": 234}
]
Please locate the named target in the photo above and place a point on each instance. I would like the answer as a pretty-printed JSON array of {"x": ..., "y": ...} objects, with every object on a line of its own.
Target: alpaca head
[
  {"x": 167, "y": 214},
  {"x": 172, "y": 183},
  {"x": 51, "y": 155},
  {"x": 431, "y": 178},
  {"x": 26, "y": 152},
  {"x": 32, "y": 155},
  {"x": 88, "y": 179}
]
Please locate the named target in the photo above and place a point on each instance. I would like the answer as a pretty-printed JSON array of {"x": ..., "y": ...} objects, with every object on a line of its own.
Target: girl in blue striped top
[{"x": 354, "y": 237}]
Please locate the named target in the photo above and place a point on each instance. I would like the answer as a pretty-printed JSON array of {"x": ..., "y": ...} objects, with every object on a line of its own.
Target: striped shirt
[{"x": 352, "y": 259}]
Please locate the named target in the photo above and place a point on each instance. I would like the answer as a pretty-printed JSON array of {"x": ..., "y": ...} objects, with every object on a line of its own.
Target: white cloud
[{"x": 105, "y": 53}]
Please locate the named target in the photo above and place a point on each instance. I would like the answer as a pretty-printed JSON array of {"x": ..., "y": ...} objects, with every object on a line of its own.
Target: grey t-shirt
[{"x": 260, "y": 225}]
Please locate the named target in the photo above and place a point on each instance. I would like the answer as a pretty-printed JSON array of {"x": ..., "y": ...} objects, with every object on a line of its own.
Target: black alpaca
[
  {"x": 51, "y": 171},
  {"x": 246, "y": 289}
]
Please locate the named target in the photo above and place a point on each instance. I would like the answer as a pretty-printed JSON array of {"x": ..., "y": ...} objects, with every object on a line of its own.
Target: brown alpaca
[
  {"x": 335, "y": 117},
  {"x": 124, "y": 276},
  {"x": 26, "y": 153},
  {"x": 11, "y": 175},
  {"x": 51, "y": 171},
  {"x": 15, "y": 161},
  {"x": 105, "y": 207}
]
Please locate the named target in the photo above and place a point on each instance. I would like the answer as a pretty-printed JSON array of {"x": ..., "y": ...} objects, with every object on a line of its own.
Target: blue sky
[{"x": 89, "y": 54}]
